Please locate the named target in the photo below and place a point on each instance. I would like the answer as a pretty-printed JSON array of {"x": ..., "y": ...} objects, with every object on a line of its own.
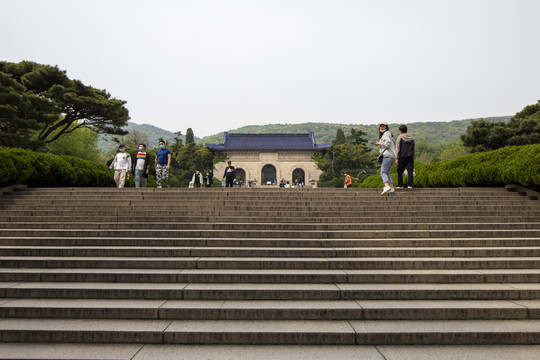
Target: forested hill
[
  {"x": 435, "y": 133},
  {"x": 150, "y": 135}
]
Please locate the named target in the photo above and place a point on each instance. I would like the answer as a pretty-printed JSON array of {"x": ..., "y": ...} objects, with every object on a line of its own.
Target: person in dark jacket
[
  {"x": 209, "y": 179},
  {"x": 228, "y": 176},
  {"x": 405, "y": 156}
]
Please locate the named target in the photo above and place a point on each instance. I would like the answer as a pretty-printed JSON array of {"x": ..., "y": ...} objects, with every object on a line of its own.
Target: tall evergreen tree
[
  {"x": 190, "y": 139},
  {"x": 340, "y": 137}
]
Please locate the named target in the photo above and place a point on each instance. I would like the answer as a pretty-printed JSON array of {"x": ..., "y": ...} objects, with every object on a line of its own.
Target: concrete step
[
  {"x": 269, "y": 276},
  {"x": 283, "y": 214},
  {"x": 271, "y": 331},
  {"x": 284, "y": 209},
  {"x": 248, "y": 291},
  {"x": 285, "y": 252},
  {"x": 298, "y": 234},
  {"x": 369, "y": 218},
  {"x": 219, "y": 226},
  {"x": 90, "y": 351},
  {"x": 266, "y": 242},
  {"x": 271, "y": 262},
  {"x": 270, "y": 310}
]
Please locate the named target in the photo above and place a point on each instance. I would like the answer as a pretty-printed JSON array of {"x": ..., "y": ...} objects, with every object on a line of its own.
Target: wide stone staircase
[{"x": 269, "y": 266}]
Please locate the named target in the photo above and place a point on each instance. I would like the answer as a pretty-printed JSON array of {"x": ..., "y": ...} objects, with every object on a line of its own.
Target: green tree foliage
[
  {"x": 23, "y": 166},
  {"x": 340, "y": 137},
  {"x": 339, "y": 158},
  {"x": 39, "y": 104},
  {"x": 523, "y": 128},
  {"x": 508, "y": 165},
  {"x": 452, "y": 151},
  {"x": 426, "y": 152},
  {"x": 81, "y": 143},
  {"x": 189, "y": 136},
  {"x": 357, "y": 137},
  {"x": 187, "y": 160},
  {"x": 133, "y": 139},
  {"x": 177, "y": 144}
]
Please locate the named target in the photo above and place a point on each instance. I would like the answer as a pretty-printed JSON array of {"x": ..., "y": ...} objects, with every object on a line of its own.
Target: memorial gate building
[{"x": 266, "y": 159}]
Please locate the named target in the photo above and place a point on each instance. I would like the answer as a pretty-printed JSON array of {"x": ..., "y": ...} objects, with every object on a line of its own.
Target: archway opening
[
  {"x": 298, "y": 176},
  {"x": 240, "y": 176},
  {"x": 268, "y": 175}
]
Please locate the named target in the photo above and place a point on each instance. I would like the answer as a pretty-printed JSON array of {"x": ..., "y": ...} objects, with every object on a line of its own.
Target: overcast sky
[{"x": 221, "y": 64}]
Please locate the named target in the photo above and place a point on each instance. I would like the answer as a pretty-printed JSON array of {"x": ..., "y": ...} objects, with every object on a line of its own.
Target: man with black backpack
[{"x": 405, "y": 157}]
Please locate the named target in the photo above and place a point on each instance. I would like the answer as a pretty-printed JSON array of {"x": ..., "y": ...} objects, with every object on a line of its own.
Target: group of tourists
[
  {"x": 122, "y": 165},
  {"x": 402, "y": 153}
]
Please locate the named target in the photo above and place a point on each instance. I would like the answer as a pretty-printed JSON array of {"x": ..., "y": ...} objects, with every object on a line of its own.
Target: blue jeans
[
  {"x": 139, "y": 178},
  {"x": 386, "y": 166}
]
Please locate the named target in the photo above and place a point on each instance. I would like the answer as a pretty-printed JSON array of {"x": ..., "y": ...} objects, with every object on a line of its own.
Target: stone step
[
  {"x": 270, "y": 310},
  {"x": 313, "y": 276},
  {"x": 271, "y": 262},
  {"x": 290, "y": 207},
  {"x": 98, "y": 217},
  {"x": 266, "y": 242},
  {"x": 271, "y": 331},
  {"x": 88, "y": 351},
  {"x": 255, "y": 195},
  {"x": 248, "y": 291},
  {"x": 300, "y": 234},
  {"x": 331, "y": 202},
  {"x": 285, "y": 252},
  {"x": 219, "y": 226}
]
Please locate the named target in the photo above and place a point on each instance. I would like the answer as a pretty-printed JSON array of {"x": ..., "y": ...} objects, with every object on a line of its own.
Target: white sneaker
[
  {"x": 386, "y": 189},
  {"x": 409, "y": 187},
  {"x": 392, "y": 190}
]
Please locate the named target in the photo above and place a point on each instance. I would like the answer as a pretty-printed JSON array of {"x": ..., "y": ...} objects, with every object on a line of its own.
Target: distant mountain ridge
[
  {"x": 431, "y": 132},
  {"x": 153, "y": 133}
]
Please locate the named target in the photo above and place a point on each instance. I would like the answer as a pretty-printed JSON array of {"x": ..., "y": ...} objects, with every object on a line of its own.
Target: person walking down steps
[
  {"x": 122, "y": 165},
  {"x": 386, "y": 149},
  {"x": 163, "y": 164},
  {"x": 228, "y": 176}
]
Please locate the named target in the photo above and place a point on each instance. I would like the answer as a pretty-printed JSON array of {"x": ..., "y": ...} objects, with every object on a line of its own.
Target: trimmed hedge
[
  {"x": 508, "y": 165},
  {"x": 21, "y": 166}
]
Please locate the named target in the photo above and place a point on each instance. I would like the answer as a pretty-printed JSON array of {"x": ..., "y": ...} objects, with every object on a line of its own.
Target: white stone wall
[{"x": 285, "y": 162}]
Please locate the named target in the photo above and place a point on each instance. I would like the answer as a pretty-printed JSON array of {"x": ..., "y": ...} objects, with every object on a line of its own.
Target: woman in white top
[{"x": 386, "y": 149}]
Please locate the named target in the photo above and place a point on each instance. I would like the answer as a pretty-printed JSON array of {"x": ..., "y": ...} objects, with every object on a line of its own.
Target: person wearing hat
[
  {"x": 228, "y": 176},
  {"x": 386, "y": 149},
  {"x": 122, "y": 165}
]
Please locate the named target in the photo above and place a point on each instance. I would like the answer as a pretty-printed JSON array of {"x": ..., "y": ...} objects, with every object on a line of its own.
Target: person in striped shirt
[{"x": 141, "y": 167}]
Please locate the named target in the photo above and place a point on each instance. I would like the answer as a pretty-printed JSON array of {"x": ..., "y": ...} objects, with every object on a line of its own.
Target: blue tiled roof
[{"x": 267, "y": 142}]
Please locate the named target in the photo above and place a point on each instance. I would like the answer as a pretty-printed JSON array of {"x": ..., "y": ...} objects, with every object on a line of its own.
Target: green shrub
[
  {"x": 21, "y": 166},
  {"x": 508, "y": 165}
]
